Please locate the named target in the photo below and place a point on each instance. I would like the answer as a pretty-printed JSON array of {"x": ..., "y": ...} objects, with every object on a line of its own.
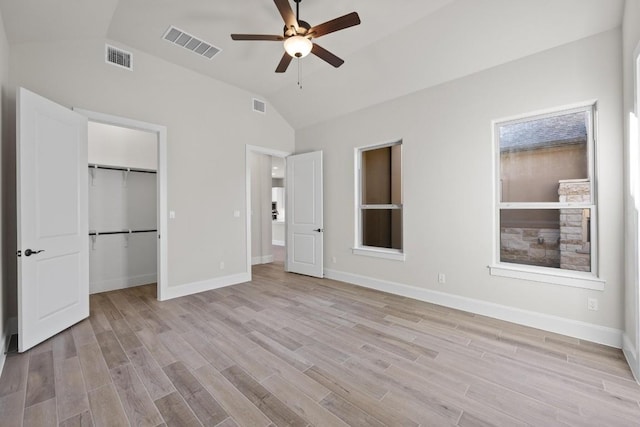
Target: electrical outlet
[
  {"x": 442, "y": 278},
  {"x": 334, "y": 260},
  {"x": 592, "y": 304},
  {"x": 221, "y": 265}
]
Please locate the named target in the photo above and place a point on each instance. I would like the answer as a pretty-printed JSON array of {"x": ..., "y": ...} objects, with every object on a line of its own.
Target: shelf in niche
[
  {"x": 121, "y": 168},
  {"x": 102, "y": 233}
]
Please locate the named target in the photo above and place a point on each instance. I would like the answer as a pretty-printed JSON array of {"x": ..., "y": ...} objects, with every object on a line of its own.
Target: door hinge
[{"x": 19, "y": 253}]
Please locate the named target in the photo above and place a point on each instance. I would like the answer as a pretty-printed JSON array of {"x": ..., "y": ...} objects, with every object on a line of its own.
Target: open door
[
  {"x": 305, "y": 243},
  {"x": 52, "y": 193}
]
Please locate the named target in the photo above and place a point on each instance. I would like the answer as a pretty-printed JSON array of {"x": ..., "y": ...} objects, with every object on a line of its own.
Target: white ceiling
[{"x": 400, "y": 47}]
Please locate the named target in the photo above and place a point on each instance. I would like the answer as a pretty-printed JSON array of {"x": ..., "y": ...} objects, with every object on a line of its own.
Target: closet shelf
[
  {"x": 121, "y": 168},
  {"x": 100, "y": 233}
]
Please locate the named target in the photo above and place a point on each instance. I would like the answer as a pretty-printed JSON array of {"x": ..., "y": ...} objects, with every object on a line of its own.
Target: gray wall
[{"x": 449, "y": 182}]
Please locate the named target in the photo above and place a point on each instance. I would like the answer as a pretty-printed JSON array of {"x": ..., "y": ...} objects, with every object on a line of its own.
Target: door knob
[
  {"x": 30, "y": 252},
  {"x": 319, "y": 230}
]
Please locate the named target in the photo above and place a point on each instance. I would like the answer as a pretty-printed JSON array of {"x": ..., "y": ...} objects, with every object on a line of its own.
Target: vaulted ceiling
[{"x": 400, "y": 47}]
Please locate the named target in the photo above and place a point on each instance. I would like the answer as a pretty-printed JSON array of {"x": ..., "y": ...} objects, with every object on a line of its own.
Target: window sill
[
  {"x": 380, "y": 253},
  {"x": 564, "y": 278}
]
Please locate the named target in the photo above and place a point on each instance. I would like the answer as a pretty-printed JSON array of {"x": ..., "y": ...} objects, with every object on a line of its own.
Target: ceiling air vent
[
  {"x": 118, "y": 57},
  {"x": 187, "y": 41},
  {"x": 259, "y": 106}
]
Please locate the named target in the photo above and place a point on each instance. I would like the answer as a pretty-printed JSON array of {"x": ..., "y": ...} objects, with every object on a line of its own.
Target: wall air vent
[
  {"x": 187, "y": 41},
  {"x": 118, "y": 57},
  {"x": 259, "y": 106}
]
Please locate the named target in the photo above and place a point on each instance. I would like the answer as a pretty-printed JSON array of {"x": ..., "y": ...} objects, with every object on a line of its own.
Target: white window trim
[
  {"x": 585, "y": 280},
  {"x": 392, "y": 254},
  {"x": 548, "y": 275},
  {"x": 358, "y": 248}
]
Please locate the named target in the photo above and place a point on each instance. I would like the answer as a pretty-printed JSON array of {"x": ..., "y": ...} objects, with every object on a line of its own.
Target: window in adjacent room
[
  {"x": 379, "y": 200},
  {"x": 546, "y": 203}
]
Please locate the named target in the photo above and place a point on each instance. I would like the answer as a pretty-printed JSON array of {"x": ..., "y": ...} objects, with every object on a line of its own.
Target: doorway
[
  {"x": 266, "y": 213},
  {"x": 122, "y": 207},
  {"x": 141, "y": 232},
  {"x": 278, "y": 209}
]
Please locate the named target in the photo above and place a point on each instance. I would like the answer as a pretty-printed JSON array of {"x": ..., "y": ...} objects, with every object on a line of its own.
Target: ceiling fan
[{"x": 298, "y": 34}]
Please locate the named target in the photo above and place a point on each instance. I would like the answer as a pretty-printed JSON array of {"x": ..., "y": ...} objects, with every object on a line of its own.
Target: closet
[{"x": 122, "y": 207}]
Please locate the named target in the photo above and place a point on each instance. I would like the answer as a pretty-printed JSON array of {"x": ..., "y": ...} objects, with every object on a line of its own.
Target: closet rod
[
  {"x": 120, "y": 168},
  {"x": 100, "y": 233}
]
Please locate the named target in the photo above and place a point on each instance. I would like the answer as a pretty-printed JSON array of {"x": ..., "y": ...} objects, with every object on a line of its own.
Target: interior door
[
  {"x": 52, "y": 193},
  {"x": 304, "y": 220}
]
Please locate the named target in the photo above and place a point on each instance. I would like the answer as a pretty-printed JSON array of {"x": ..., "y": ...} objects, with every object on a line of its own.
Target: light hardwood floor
[{"x": 291, "y": 350}]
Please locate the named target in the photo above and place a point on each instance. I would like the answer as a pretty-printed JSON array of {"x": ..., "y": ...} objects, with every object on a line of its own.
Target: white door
[
  {"x": 52, "y": 193},
  {"x": 304, "y": 214}
]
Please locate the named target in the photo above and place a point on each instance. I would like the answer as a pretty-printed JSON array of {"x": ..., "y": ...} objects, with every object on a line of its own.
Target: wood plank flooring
[{"x": 288, "y": 350}]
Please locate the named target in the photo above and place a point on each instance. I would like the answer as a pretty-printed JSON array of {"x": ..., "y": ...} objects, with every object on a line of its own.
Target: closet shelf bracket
[
  {"x": 125, "y": 176},
  {"x": 92, "y": 171}
]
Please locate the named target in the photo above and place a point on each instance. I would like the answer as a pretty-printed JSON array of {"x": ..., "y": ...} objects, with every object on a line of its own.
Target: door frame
[
  {"x": 269, "y": 152},
  {"x": 162, "y": 225},
  {"x": 635, "y": 365}
]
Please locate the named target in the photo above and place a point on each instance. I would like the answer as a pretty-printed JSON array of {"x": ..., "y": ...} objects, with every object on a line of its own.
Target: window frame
[
  {"x": 359, "y": 207},
  {"x": 581, "y": 279}
]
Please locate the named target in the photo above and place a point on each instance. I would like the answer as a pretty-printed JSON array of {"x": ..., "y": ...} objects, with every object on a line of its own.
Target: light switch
[
  {"x": 172, "y": 214},
  {"x": 236, "y": 214}
]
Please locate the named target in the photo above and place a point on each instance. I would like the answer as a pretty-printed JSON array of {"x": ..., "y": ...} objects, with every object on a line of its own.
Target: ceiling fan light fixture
[{"x": 298, "y": 46}]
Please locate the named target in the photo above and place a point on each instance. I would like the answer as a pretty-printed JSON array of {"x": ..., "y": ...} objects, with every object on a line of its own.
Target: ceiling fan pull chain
[{"x": 299, "y": 65}]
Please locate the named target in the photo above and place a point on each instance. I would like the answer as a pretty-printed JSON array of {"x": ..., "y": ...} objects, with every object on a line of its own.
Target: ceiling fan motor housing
[{"x": 303, "y": 29}]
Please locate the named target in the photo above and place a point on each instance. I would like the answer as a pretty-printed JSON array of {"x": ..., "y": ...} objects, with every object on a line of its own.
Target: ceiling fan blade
[
  {"x": 327, "y": 56},
  {"x": 257, "y": 37},
  {"x": 284, "y": 63},
  {"x": 287, "y": 13},
  {"x": 346, "y": 21}
]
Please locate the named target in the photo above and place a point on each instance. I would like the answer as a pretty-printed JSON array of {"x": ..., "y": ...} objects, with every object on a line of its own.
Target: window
[
  {"x": 379, "y": 201},
  {"x": 545, "y": 189}
]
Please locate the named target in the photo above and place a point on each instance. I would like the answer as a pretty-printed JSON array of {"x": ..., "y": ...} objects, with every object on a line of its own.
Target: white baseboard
[
  {"x": 10, "y": 329},
  {"x": 265, "y": 259},
  {"x": 560, "y": 325},
  {"x": 204, "y": 285},
  {"x": 122, "y": 283},
  {"x": 277, "y": 242},
  {"x": 632, "y": 356},
  {"x": 5, "y": 346}
]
